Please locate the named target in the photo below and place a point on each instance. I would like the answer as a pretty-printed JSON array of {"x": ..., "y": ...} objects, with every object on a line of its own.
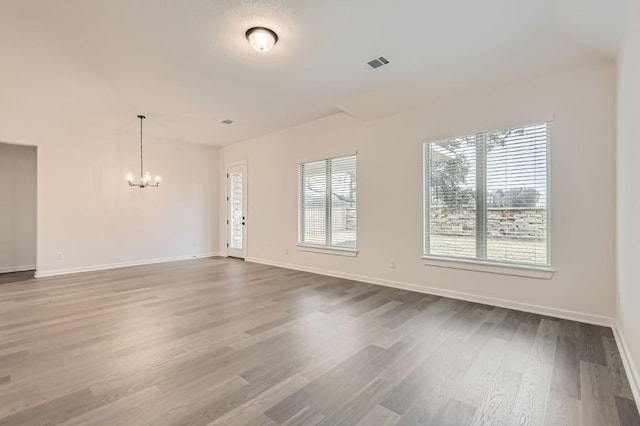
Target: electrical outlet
[
  {"x": 286, "y": 251},
  {"x": 58, "y": 256},
  {"x": 393, "y": 264}
]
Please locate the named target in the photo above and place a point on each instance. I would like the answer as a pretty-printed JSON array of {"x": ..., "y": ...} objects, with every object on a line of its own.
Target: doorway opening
[{"x": 18, "y": 186}]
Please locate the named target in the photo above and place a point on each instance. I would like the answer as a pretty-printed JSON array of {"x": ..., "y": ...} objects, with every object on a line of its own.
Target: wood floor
[
  {"x": 226, "y": 342},
  {"x": 15, "y": 277}
]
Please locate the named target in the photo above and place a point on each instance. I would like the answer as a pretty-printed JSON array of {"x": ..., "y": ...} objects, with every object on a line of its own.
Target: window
[
  {"x": 327, "y": 203},
  {"x": 486, "y": 196}
]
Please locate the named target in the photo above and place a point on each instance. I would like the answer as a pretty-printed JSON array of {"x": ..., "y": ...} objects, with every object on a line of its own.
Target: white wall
[
  {"x": 390, "y": 189},
  {"x": 90, "y": 216},
  {"x": 17, "y": 207},
  {"x": 628, "y": 225}
]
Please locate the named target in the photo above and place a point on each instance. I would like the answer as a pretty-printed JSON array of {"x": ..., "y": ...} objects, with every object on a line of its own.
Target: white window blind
[
  {"x": 486, "y": 196},
  {"x": 327, "y": 203}
]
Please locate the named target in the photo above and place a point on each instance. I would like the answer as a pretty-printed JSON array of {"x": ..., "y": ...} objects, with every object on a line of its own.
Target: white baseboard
[
  {"x": 54, "y": 272},
  {"x": 5, "y": 269},
  {"x": 627, "y": 361},
  {"x": 509, "y": 304}
]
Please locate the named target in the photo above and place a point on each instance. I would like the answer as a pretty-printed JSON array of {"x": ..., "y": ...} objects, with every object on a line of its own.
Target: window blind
[
  {"x": 343, "y": 201},
  {"x": 486, "y": 196},
  {"x": 327, "y": 212}
]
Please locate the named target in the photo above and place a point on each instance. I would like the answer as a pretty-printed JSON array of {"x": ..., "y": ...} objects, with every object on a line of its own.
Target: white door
[{"x": 237, "y": 210}]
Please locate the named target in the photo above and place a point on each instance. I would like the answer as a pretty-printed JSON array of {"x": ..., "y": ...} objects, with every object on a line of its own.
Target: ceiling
[{"x": 187, "y": 65}]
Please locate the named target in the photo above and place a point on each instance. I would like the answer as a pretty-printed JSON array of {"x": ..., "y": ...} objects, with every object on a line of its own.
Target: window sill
[
  {"x": 328, "y": 250},
  {"x": 539, "y": 272}
]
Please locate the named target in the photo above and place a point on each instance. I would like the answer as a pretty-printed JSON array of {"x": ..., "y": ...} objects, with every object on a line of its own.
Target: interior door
[{"x": 237, "y": 210}]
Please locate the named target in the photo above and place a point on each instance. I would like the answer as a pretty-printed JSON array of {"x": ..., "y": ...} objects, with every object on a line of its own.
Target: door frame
[{"x": 245, "y": 207}]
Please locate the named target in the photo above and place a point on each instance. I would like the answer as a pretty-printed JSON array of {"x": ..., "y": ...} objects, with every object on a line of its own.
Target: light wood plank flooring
[{"x": 226, "y": 342}]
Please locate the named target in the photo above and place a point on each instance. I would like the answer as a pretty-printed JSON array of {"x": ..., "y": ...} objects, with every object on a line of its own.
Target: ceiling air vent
[
  {"x": 376, "y": 63},
  {"x": 227, "y": 121}
]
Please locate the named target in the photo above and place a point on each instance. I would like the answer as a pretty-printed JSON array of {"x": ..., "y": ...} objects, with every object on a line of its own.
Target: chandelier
[{"x": 144, "y": 177}]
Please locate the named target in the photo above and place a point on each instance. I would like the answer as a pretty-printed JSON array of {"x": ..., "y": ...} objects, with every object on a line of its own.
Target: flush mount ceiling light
[
  {"x": 144, "y": 177},
  {"x": 261, "y": 39}
]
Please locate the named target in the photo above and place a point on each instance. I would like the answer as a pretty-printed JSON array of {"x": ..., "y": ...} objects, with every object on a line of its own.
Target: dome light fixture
[{"x": 261, "y": 39}]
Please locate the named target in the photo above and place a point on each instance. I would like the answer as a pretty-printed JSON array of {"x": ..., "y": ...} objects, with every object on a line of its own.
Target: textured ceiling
[{"x": 187, "y": 65}]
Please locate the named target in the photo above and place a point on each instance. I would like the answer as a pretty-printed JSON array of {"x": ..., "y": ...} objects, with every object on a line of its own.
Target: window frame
[
  {"x": 326, "y": 248},
  {"x": 482, "y": 264}
]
